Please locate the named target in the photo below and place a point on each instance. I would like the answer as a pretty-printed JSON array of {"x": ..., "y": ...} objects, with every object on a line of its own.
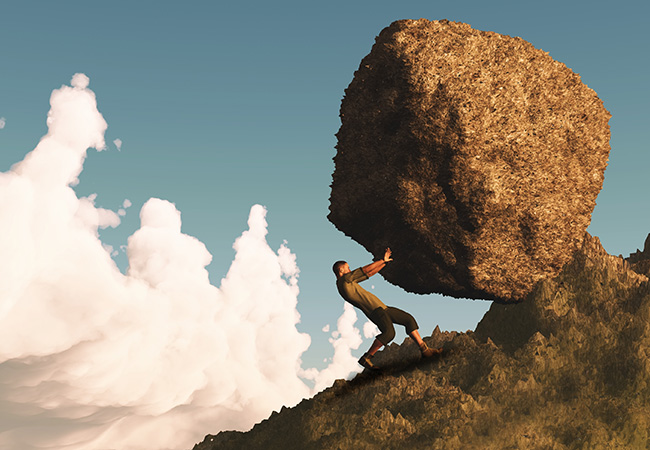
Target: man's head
[{"x": 340, "y": 268}]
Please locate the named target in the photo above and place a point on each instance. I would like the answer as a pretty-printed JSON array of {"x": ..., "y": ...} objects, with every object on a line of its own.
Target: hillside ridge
[{"x": 567, "y": 368}]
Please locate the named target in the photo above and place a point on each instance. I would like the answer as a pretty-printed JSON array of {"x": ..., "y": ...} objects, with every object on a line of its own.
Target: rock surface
[
  {"x": 640, "y": 260},
  {"x": 573, "y": 373},
  {"x": 476, "y": 157}
]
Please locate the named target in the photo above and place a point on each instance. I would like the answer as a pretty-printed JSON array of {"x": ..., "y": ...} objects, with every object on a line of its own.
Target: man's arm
[{"x": 374, "y": 267}]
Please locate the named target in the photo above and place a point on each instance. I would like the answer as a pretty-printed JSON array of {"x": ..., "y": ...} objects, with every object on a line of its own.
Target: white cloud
[
  {"x": 80, "y": 81},
  {"x": 3, "y": 122},
  {"x": 125, "y": 206},
  {"x": 118, "y": 144},
  {"x": 156, "y": 358},
  {"x": 110, "y": 249},
  {"x": 345, "y": 339},
  {"x": 370, "y": 330}
]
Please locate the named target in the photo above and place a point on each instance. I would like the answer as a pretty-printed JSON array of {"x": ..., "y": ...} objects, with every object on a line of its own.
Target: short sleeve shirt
[{"x": 348, "y": 287}]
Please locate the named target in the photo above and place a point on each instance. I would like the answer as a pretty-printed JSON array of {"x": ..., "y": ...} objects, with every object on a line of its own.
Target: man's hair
[{"x": 337, "y": 265}]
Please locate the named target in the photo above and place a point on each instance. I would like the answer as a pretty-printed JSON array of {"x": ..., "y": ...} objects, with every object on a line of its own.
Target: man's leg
[
  {"x": 383, "y": 321},
  {"x": 365, "y": 359},
  {"x": 408, "y": 321},
  {"x": 376, "y": 345},
  {"x": 415, "y": 335}
]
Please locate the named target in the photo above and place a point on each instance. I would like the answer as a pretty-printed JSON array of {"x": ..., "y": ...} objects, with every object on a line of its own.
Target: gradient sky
[{"x": 223, "y": 105}]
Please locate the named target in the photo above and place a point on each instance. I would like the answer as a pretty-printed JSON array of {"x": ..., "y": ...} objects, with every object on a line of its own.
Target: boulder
[{"x": 475, "y": 156}]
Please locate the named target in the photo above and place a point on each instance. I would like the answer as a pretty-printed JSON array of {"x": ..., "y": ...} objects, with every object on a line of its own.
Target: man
[{"x": 347, "y": 283}]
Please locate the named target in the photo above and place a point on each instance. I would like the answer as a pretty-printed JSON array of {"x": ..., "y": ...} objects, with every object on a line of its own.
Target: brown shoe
[
  {"x": 428, "y": 352},
  {"x": 365, "y": 362}
]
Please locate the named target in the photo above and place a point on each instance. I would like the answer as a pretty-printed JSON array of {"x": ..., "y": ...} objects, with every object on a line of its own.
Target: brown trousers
[{"x": 385, "y": 318}]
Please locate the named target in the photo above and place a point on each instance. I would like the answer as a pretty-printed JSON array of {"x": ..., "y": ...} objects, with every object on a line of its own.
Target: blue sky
[{"x": 223, "y": 105}]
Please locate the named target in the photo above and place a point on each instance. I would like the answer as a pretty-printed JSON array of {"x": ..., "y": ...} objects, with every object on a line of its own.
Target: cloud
[
  {"x": 370, "y": 330},
  {"x": 154, "y": 358},
  {"x": 344, "y": 339},
  {"x": 3, "y": 122},
  {"x": 125, "y": 206},
  {"x": 118, "y": 144}
]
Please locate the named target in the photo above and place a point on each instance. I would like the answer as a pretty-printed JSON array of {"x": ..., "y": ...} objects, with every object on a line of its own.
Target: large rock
[{"x": 476, "y": 157}]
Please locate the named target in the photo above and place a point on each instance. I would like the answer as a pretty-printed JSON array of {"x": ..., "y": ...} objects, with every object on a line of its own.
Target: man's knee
[
  {"x": 411, "y": 325},
  {"x": 383, "y": 320},
  {"x": 403, "y": 318},
  {"x": 387, "y": 335}
]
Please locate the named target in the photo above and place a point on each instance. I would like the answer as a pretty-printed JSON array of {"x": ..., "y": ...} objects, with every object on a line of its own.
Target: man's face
[{"x": 345, "y": 268}]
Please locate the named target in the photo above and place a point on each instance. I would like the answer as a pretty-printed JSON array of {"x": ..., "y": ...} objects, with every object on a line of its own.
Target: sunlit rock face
[{"x": 476, "y": 157}]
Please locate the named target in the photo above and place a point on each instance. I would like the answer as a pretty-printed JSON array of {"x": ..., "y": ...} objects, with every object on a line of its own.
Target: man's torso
[{"x": 348, "y": 287}]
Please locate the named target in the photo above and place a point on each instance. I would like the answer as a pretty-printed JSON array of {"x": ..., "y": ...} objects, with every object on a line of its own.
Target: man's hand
[{"x": 375, "y": 267}]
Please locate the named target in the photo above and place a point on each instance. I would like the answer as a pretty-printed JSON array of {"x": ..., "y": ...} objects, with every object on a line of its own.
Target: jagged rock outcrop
[
  {"x": 476, "y": 157},
  {"x": 640, "y": 260},
  {"x": 569, "y": 368}
]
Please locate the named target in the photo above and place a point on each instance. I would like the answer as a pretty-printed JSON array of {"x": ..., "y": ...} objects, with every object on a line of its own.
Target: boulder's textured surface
[
  {"x": 574, "y": 373},
  {"x": 476, "y": 157}
]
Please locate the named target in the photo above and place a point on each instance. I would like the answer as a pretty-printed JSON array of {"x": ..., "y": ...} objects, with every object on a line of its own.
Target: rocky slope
[{"x": 568, "y": 368}]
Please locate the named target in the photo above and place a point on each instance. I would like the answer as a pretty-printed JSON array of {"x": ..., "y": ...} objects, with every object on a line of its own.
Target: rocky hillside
[{"x": 568, "y": 368}]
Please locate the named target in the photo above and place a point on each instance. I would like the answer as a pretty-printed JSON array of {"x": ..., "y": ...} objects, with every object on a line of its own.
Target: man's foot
[
  {"x": 365, "y": 362},
  {"x": 428, "y": 352}
]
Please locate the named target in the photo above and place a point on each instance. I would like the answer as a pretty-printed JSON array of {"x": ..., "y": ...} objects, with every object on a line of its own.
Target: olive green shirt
[{"x": 348, "y": 286}]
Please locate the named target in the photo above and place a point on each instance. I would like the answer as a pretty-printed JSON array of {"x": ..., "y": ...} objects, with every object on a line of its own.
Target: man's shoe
[
  {"x": 366, "y": 363},
  {"x": 428, "y": 352}
]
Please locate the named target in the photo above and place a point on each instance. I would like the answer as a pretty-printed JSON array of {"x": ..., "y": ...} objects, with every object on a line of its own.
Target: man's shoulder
[{"x": 354, "y": 276}]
